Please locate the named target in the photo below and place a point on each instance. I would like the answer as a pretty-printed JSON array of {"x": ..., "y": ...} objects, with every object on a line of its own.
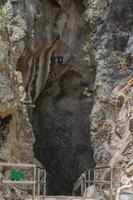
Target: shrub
[{"x": 88, "y": 48}]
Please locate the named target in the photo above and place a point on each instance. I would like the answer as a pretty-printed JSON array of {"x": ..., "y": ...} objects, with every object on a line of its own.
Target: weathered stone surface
[
  {"x": 94, "y": 193},
  {"x": 111, "y": 126},
  {"x": 125, "y": 193},
  {"x": 16, "y": 141},
  {"x": 91, "y": 193},
  {"x": 63, "y": 89}
]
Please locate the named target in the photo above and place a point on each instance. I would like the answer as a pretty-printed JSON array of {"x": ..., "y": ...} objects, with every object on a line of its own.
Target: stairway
[
  {"x": 60, "y": 198},
  {"x": 83, "y": 184}
]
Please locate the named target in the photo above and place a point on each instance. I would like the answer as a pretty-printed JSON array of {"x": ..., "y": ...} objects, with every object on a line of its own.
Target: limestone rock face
[
  {"x": 16, "y": 136},
  {"x": 75, "y": 55},
  {"x": 111, "y": 25},
  {"x": 125, "y": 193}
]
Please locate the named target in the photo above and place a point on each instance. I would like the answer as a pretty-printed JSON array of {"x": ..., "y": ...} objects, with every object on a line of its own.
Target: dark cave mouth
[
  {"x": 61, "y": 126},
  {"x": 62, "y": 131},
  {"x": 62, "y": 172}
]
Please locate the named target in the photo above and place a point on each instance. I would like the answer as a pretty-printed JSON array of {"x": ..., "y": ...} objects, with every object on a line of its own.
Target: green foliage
[
  {"x": 16, "y": 175},
  {"x": 127, "y": 99},
  {"x": 3, "y": 15},
  {"x": 88, "y": 48}
]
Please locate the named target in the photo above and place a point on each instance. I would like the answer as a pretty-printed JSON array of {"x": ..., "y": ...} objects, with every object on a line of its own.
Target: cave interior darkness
[
  {"x": 64, "y": 161},
  {"x": 62, "y": 131}
]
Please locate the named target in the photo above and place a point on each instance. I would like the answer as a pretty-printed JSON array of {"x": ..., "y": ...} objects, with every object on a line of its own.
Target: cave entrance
[
  {"x": 62, "y": 130},
  {"x": 63, "y": 161},
  {"x": 63, "y": 143}
]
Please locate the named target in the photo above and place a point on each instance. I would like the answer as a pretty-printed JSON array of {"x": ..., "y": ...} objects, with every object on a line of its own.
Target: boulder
[{"x": 124, "y": 193}]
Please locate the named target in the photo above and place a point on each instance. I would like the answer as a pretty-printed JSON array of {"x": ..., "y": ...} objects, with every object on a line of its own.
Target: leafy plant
[
  {"x": 88, "y": 48},
  {"x": 127, "y": 99}
]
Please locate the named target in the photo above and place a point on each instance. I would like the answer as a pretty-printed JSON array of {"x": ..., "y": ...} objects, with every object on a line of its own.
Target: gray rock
[{"x": 125, "y": 193}]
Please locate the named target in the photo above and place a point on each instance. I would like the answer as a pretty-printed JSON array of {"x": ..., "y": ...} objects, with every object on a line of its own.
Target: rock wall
[
  {"x": 16, "y": 135},
  {"x": 73, "y": 54},
  {"x": 111, "y": 24}
]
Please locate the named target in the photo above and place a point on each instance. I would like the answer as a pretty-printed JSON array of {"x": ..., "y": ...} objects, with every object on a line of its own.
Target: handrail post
[
  {"x": 38, "y": 181},
  {"x": 83, "y": 183},
  {"x": 34, "y": 185},
  {"x": 100, "y": 177},
  {"x": 111, "y": 182},
  {"x": 44, "y": 182},
  {"x": 94, "y": 174},
  {"x": 88, "y": 178},
  {"x": 82, "y": 189}
]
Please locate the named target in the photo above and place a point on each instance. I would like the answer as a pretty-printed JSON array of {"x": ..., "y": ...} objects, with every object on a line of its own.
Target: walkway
[
  {"x": 60, "y": 198},
  {"x": 99, "y": 177}
]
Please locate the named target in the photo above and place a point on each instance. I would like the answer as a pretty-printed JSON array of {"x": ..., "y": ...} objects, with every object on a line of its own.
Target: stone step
[{"x": 60, "y": 198}]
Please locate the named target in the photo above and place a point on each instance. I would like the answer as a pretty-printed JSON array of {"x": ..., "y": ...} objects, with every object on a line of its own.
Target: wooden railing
[
  {"x": 99, "y": 177},
  {"x": 38, "y": 177}
]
